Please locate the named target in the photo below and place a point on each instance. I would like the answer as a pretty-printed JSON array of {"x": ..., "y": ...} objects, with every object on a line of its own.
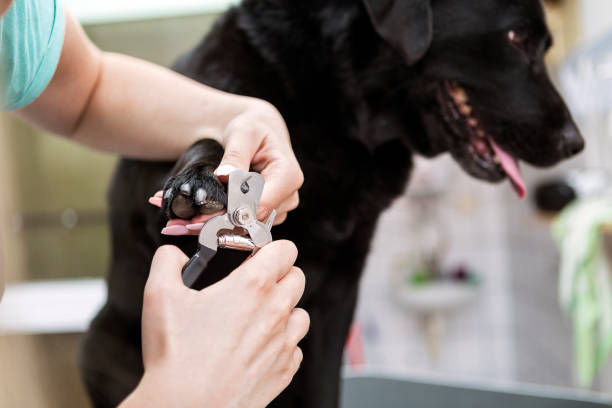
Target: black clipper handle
[{"x": 196, "y": 265}]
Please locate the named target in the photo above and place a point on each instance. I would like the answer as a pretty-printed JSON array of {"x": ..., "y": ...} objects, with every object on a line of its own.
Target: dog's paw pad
[
  {"x": 182, "y": 207},
  {"x": 193, "y": 192}
]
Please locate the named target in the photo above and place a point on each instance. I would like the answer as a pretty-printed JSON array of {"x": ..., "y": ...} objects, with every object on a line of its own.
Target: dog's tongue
[{"x": 510, "y": 166}]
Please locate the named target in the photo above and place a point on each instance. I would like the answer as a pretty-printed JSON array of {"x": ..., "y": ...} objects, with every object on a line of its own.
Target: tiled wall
[{"x": 514, "y": 330}]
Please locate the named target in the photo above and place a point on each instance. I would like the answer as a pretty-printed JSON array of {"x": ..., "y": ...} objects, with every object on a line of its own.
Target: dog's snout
[{"x": 572, "y": 142}]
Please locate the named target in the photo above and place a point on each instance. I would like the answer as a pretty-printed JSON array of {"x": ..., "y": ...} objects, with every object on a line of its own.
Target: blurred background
[{"x": 467, "y": 290}]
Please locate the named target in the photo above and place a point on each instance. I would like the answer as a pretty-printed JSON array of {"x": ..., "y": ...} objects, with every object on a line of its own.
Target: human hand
[
  {"x": 258, "y": 139},
  {"x": 255, "y": 139},
  {"x": 230, "y": 345}
]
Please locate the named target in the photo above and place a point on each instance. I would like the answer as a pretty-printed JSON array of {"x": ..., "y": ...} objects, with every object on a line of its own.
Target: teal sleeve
[{"x": 31, "y": 40}]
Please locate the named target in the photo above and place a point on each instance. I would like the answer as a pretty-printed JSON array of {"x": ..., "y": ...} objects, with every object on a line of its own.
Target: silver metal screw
[{"x": 242, "y": 216}]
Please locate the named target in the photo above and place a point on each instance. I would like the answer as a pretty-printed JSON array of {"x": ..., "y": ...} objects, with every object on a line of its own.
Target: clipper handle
[{"x": 194, "y": 268}]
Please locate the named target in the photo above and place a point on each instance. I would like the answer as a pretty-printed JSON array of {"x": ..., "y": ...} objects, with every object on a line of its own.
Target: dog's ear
[{"x": 407, "y": 25}]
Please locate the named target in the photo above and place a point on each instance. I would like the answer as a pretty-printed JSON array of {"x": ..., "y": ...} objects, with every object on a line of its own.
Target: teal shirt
[{"x": 31, "y": 39}]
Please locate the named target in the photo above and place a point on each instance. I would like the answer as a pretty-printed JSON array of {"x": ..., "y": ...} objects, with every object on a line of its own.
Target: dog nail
[
  {"x": 186, "y": 189},
  {"x": 168, "y": 193},
  {"x": 156, "y": 201},
  {"x": 200, "y": 196},
  {"x": 175, "y": 230},
  {"x": 195, "y": 227},
  {"x": 224, "y": 170}
]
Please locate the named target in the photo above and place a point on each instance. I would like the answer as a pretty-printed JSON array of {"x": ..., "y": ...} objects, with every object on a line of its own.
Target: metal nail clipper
[{"x": 237, "y": 229}]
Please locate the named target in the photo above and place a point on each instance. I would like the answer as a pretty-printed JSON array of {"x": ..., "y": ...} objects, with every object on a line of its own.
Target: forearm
[
  {"x": 128, "y": 106},
  {"x": 142, "y": 110}
]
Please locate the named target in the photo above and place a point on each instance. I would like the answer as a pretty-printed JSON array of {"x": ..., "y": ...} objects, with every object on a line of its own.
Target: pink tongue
[{"x": 510, "y": 166}]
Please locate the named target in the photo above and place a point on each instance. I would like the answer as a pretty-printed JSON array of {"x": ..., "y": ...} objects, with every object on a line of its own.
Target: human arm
[
  {"x": 128, "y": 106},
  {"x": 4, "y": 5},
  {"x": 124, "y": 105},
  {"x": 231, "y": 345}
]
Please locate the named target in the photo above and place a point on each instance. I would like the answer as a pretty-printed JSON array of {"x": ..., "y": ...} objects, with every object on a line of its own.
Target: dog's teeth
[
  {"x": 168, "y": 193},
  {"x": 480, "y": 133},
  {"x": 473, "y": 122},
  {"x": 186, "y": 189},
  {"x": 465, "y": 109},
  {"x": 200, "y": 196},
  {"x": 460, "y": 95},
  {"x": 496, "y": 159}
]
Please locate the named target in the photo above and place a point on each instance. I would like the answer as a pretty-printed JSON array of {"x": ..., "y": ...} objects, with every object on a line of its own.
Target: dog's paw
[{"x": 193, "y": 192}]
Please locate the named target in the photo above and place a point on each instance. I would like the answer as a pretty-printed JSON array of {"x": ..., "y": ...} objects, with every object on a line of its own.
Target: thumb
[
  {"x": 166, "y": 268},
  {"x": 241, "y": 144},
  {"x": 283, "y": 178}
]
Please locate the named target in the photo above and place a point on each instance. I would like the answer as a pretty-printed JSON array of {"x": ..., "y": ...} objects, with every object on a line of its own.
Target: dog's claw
[
  {"x": 210, "y": 207},
  {"x": 200, "y": 196},
  {"x": 186, "y": 189}
]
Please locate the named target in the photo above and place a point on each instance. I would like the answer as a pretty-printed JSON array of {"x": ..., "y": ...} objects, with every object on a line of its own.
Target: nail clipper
[{"x": 237, "y": 229}]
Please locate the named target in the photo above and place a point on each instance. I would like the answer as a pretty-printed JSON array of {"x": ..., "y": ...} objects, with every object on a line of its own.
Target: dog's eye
[{"x": 517, "y": 38}]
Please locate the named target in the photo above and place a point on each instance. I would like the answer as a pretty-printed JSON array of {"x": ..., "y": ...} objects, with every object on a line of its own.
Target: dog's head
[{"x": 485, "y": 91}]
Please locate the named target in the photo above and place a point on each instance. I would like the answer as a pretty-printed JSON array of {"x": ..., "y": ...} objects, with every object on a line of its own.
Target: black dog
[{"x": 362, "y": 85}]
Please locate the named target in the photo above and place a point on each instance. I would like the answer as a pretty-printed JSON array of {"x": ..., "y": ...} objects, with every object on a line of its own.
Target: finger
[
  {"x": 241, "y": 143},
  {"x": 294, "y": 364},
  {"x": 175, "y": 230},
  {"x": 176, "y": 227},
  {"x": 297, "y": 326},
  {"x": 279, "y": 219},
  {"x": 193, "y": 226},
  {"x": 156, "y": 201},
  {"x": 291, "y": 288},
  {"x": 205, "y": 217},
  {"x": 166, "y": 268},
  {"x": 157, "y": 198},
  {"x": 269, "y": 265},
  {"x": 289, "y": 204},
  {"x": 290, "y": 368},
  {"x": 196, "y": 224},
  {"x": 298, "y": 356},
  {"x": 177, "y": 221},
  {"x": 282, "y": 180},
  {"x": 179, "y": 230}
]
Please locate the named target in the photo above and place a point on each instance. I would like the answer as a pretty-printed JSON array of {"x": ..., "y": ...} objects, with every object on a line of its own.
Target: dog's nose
[{"x": 571, "y": 140}]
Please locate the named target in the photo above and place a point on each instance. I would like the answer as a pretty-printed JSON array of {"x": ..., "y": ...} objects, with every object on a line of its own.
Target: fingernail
[
  {"x": 224, "y": 170},
  {"x": 175, "y": 230},
  {"x": 262, "y": 212},
  {"x": 156, "y": 201},
  {"x": 195, "y": 227}
]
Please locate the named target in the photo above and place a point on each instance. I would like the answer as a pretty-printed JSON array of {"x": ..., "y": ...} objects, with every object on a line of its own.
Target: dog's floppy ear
[{"x": 407, "y": 25}]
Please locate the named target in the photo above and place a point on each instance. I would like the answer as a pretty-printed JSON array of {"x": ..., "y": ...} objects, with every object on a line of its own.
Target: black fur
[{"x": 361, "y": 88}]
